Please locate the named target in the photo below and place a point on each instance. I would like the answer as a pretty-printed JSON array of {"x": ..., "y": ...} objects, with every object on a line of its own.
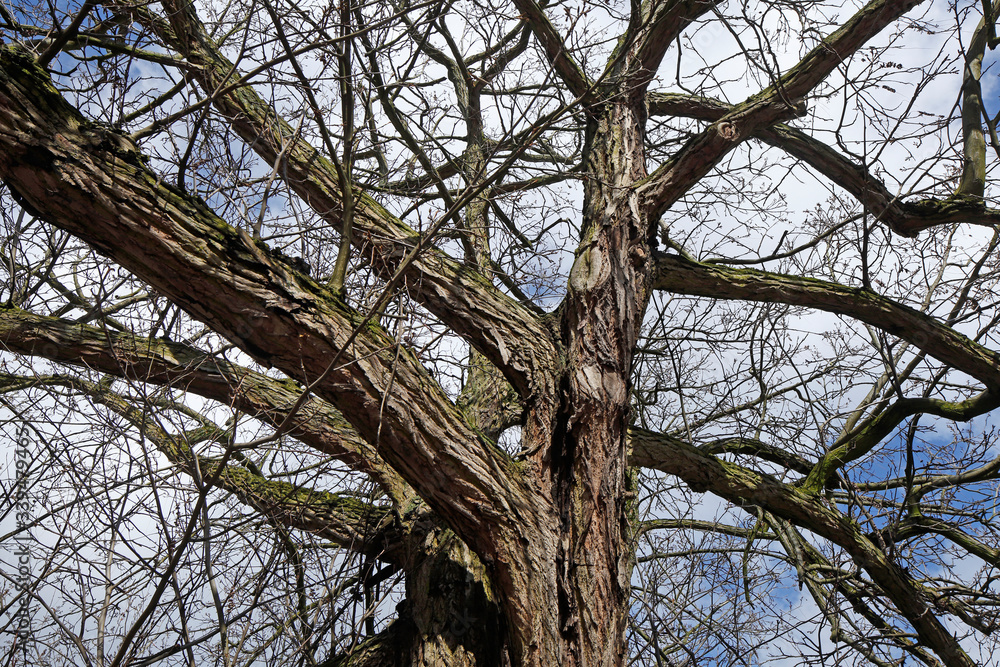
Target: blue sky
[{"x": 991, "y": 82}]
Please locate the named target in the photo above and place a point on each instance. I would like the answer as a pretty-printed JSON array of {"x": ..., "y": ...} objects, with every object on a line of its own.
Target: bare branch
[
  {"x": 555, "y": 48},
  {"x": 683, "y": 276},
  {"x": 703, "y": 472},
  {"x": 509, "y": 334},
  {"x": 108, "y": 197},
  {"x": 781, "y": 101},
  {"x": 904, "y": 218}
]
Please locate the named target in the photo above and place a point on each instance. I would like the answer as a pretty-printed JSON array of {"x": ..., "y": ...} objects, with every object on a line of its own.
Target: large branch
[
  {"x": 274, "y": 401},
  {"x": 778, "y": 103},
  {"x": 704, "y": 472},
  {"x": 508, "y": 333},
  {"x": 861, "y": 440},
  {"x": 683, "y": 276},
  {"x": 342, "y": 519},
  {"x": 655, "y": 25},
  {"x": 905, "y": 218},
  {"x": 854, "y": 590},
  {"x": 315, "y": 422},
  {"x": 555, "y": 48},
  {"x": 94, "y": 184}
]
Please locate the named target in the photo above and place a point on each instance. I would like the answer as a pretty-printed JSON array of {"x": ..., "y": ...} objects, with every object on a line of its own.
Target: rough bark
[
  {"x": 420, "y": 537},
  {"x": 448, "y": 618},
  {"x": 273, "y": 401},
  {"x": 536, "y": 552},
  {"x": 506, "y": 332},
  {"x": 108, "y": 197},
  {"x": 587, "y": 462},
  {"x": 449, "y": 599},
  {"x": 572, "y": 583}
]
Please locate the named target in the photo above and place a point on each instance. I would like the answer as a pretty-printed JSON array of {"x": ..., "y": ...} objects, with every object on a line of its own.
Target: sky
[
  {"x": 990, "y": 82},
  {"x": 991, "y": 88}
]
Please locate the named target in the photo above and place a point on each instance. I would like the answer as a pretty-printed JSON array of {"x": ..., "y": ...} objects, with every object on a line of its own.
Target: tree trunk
[
  {"x": 576, "y": 608},
  {"x": 448, "y": 618}
]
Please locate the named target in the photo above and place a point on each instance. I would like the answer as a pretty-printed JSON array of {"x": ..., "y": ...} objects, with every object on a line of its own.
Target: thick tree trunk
[
  {"x": 563, "y": 582},
  {"x": 575, "y": 611},
  {"x": 608, "y": 291},
  {"x": 553, "y": 532}
]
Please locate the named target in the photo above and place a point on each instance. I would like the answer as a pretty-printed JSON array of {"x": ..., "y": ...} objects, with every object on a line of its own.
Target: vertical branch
[
  {"x": 109, "y": 588},
  {"x": 345, "y": 172},
  {"x": 192, "y": 140},
  {"x": 973, "y": 181},
  {"x": 990, "y": 23},
  {"x": 301, "y": 603},
  {"x": 62, "y": 37}
]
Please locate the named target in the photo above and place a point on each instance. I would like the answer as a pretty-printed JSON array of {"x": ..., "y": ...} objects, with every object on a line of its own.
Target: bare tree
[{"x": 539, "y": 333}]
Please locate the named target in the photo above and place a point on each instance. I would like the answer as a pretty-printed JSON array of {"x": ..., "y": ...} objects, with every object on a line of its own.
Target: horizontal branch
[
  {"x": 904, "y": 218},
  {"x": 141, "y": 359},
  {"x": 873, "y": 430},
  {"x": 920, "y": 525},
  {"x": 707, "y": 527},
  {"x": 683, "y": 276},
  {"x": 780, "y": 102},
  {"x": 736, "y": 445},
  {"x": 274, "y": 401}
]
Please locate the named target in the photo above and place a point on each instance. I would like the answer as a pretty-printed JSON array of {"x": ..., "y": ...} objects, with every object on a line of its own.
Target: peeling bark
[{"x": 578, "y": 444}]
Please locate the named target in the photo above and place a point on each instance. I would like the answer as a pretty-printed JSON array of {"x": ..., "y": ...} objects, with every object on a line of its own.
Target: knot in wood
[{"x": 728, "y": 131}]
